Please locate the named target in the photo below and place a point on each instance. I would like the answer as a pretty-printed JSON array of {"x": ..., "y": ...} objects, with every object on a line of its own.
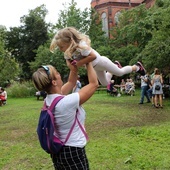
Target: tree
[
  {"x": 143, "y": 34},
  {"x": 8, "y": 66},
  {"x": 156, "y": 53},
  {"x": 23, "y": 41},
  {"x": 45, "y": 57},
  {"x": 134, "y": 30},
  {"x": 71, "y": 16}
]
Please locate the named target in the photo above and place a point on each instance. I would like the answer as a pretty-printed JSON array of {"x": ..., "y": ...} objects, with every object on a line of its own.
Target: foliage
[
  {"x": 2, "y": 38},
  {"x": 132, "y": 28},
  {"x": 156, "y": 52},
  {"x": 23, "y": 89},
  {"x": 45, "y": 57},
  {"x": 123, "y": 135},
  {"x": 126, "y": 54},
  {"x": 162, "y": 3},
  {"x": 9, "y": 67},
  {"x": 131, "y": 34},
  {"x": 71, "y": 16},
  {"x": 24, "y": 40},
  {"x": 143, "y": 35}
]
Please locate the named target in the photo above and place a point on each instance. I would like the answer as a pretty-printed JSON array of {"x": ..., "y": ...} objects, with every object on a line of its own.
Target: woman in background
[{"x": 157, "y": 91}]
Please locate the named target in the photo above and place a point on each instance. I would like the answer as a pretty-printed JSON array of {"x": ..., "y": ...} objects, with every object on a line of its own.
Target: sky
[{"x": 12, "y": 10}]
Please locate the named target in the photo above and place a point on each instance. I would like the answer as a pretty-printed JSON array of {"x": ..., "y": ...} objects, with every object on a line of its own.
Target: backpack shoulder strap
[
  {"x": 54, "y": 102},
  {"x": 72, "y": 127},
  {"x": 51, "y": 107},
  {"x": 81, "y": 127}
]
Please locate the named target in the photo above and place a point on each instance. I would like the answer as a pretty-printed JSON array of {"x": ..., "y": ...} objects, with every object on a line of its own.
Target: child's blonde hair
[
  {"x": 42, "y": 79},
  {"x": 70, "y": 36}
]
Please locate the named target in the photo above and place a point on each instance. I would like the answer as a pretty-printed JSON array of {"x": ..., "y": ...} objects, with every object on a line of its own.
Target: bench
[{"x": 101, "y": 88}]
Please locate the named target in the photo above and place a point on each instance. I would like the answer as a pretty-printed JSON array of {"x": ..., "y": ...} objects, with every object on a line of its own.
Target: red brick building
[{"x": 109, "y": 10}]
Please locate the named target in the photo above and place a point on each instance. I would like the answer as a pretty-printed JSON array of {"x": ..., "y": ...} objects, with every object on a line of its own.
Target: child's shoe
[
  {"x": 118, "y": 64},
  {"x": 141, "y": 70}
]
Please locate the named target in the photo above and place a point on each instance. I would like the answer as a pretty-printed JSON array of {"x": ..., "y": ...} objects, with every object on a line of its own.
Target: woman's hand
[
  {"x": 71, "y": 66},
  {"x": 74, "y": 62},
  {"x": 71, "y": 82}
]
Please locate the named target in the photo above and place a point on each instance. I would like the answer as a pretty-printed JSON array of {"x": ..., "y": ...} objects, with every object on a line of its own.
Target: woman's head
[
  {"x": 45, "y": 77},
  {"x": 156, "y": 71}
]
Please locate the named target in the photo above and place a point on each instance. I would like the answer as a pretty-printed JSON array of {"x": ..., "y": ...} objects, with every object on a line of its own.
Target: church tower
[{"x": 109, "y": 10}]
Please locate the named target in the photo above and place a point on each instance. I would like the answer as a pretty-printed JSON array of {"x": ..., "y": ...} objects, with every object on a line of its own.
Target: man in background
[
  {"x": 144, "y": 88},
  {"x": 78, "y": 85}
]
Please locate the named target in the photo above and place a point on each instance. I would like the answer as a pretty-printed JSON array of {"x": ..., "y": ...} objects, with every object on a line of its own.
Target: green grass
[{"x": 122, "y": 134}]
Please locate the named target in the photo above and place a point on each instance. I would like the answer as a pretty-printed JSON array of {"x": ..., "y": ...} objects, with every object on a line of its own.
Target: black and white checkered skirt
[{"x": 71, "y": 158}]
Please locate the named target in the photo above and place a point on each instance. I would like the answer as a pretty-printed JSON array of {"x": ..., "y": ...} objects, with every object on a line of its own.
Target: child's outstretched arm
[{"x": 86, "y": 60}]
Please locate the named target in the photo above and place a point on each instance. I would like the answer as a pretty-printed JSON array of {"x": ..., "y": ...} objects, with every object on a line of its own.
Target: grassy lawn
[{"x": 123, "y": 134}]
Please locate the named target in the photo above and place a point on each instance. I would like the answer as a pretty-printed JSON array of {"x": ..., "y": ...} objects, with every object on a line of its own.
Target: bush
[{"x": 24, "y": 89}]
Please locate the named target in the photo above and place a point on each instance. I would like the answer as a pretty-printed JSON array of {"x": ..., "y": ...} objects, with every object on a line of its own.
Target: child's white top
[{"x": 84, "y": 52}]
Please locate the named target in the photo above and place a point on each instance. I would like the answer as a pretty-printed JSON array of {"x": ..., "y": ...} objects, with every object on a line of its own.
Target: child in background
[
  {"x": 122, "y": 86},
  {"x": 3, "y": 96},
  {"x": 77, "y": 48}
]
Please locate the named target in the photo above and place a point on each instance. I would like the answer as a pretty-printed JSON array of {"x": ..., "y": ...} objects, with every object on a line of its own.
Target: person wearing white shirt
[{"x": 144, "y": 88}]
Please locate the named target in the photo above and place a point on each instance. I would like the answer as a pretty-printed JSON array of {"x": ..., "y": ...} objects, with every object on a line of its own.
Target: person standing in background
[
  {"x": 157, "y": 91},
  {"x": 78, "y": 85},
  {"x": 144, "y": 88},
  {"x": 122, "y": 86}
]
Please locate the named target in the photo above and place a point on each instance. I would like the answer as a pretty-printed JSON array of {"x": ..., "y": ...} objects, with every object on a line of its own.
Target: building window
[
  {"x": 116, "y": 18},
  {"x": 105, "y": 23}
]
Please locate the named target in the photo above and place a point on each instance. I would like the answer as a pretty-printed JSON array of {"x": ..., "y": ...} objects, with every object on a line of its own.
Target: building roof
[
  {"x": 133, "y": 3},
  {"x": 125, "y": 1}
]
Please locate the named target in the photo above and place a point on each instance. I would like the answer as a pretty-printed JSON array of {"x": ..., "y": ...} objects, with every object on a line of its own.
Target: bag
[
  {"x": 46, "y": 129},
  {"x": 157, "y": 87}
]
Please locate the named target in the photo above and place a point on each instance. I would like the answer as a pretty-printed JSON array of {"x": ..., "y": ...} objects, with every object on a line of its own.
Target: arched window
[
  {"x": 116, "y": 18},
  {"x": 105, "y": 23}
]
